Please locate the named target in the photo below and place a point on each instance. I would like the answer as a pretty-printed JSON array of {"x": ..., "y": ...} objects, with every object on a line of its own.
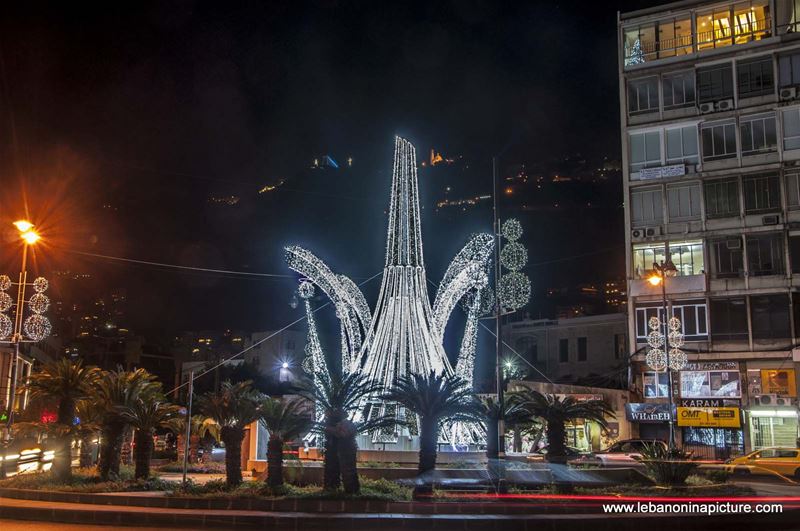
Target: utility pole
[
  {"x": 498, "y": 311},
  {"x": 188, "y": 427}
]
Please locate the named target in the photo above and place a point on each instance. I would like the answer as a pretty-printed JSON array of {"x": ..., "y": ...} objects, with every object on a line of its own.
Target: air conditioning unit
[
  {"x": 645, "y": 233},
  {"x": 767, "y": 400},
  {"x": 788, "y": 93},
  {"x": 733, "y": 244},
  {"x": 724, "y": 105},
  {"x": 772, "y": 219},
  {"x": 780, "y": 401},
  {"x": 706, "y": 108}
]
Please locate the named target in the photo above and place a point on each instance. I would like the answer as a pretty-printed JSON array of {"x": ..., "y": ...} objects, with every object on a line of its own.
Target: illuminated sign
[
  {"x": 710, "y": 384},
  {"x": 711, "y": 417},
  {"x": 778, "y": 382},
  {"x": 644, "y": 412}
]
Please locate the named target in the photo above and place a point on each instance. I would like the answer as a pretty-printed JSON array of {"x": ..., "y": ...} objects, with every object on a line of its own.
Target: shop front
[
  {"x": 652, "y": 419},
  {"x": 772, "y": 418}
]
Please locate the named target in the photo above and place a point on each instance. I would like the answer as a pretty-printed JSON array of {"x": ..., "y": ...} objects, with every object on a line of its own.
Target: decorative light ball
[
  {"x": 676, "y": 339},
  {"x": 511, "y": 230},
  {"x": 5, "y": 282},
  {"x": 5, "y": 326},
  {"x": 677, "y": 359},
  {"x": 5, "y": 301},
  {"x": 515, "y": 290},
  {"x": 40, "y": 285},
  {"x": 654, "y": 323},
  {"x": 308, "y": 365},
  {"x": 486, "y": 304},
  {"x": 39, "y": 303},
  {"x": 306, "y": 290},
  {"x": 656, "y": 359},
  {"x": 37, "y": 327},
  {"x": 655, "y": 339},
  {"x": 513, "y": 256},
  {"x": 674, "y": 323}
]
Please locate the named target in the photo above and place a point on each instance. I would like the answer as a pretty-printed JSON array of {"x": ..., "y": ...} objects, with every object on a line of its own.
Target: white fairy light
[
  {"x": 511, "y": 230},
  {"x": 5, "y": 282},
  {"x": 305, "y": 290},
  {"x": 6, "y": 326},
  {"x": 677, "y": 359},
  {"x": 37, "y": 327},
  {"x": 40, "y": 285},
  {"x": 39, "y": 303},
  {"x": 6, "y": 301},
  {"x": 515, "y": 290},
  {"x": 656, "y": 357},
  {"x": 514, "y": 256}
]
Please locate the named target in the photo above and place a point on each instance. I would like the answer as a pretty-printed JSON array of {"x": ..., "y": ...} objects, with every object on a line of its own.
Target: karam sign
[
  {"x": 709, "y": 417},
  {"x": 647, "y": 413}
]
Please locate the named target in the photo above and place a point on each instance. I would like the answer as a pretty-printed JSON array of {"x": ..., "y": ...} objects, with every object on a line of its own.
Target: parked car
[
  {"x": 541, "y": 453},
  {"x": 767, "y": 461},
  {"x": 625, "y": 453}
]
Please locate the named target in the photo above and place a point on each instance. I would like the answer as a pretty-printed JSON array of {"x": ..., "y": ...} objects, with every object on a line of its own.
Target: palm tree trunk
[
  {"x": 194, "y": 446},
  {"x": 111, "y": 449},
  {"x": 232, "y": 437},
  {"x": 275, "y": 462},
  {"x": 348, "y": 454},
  {"x": 556, "y": 440},
  {"x": 491, "y": 439},
  {"x": 86, "y": 450},
  {"x": 331, "y": 469},
  {"x": 517, "y": 439},
  {"x": 428, "y": 434},
  {"x": 62, "y": 463},
  {"x": 180, "y": 446},
  {"x": 143, "y": 452}
]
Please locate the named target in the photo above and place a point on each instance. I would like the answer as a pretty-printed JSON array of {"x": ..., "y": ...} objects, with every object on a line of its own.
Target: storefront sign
[
  {"x": 643, "y": 412},
  {"x": 710, "y": 383},
  {"x": 778, "y": 382},
  {"x": 701, "y": 402},
  {"x": 712, "y": 366},
  {"x": 675, "y": 170},
  {"x": 711, "y": 417}
]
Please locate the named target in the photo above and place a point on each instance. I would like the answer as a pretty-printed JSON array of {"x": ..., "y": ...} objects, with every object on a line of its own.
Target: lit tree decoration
[
  {"x": 37, "y": 327},
  {"x": 656, "y": 357},
  {"x": 636, "y": 56},
  {"x": 514, "y": 287},
  {"x": 404, "y": 333}
]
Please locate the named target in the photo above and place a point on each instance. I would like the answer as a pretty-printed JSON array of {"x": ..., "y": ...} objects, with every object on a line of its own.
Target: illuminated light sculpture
[
  {"x": 314, "y": 363},
  {"x": 404, "y": 334},
  {"x": 656, "y": 357}
]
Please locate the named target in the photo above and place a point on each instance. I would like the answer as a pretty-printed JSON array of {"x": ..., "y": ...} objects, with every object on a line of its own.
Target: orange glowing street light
[
  {"x": 30, "y": 237},
  {"x": 23, "y": 225},
  {"x": 654, "y": 280}
]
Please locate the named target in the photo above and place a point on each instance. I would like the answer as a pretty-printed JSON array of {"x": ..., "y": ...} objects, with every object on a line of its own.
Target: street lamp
[
  {"x": 671, "y": 338},
  {"x": 22, "y": 330}
]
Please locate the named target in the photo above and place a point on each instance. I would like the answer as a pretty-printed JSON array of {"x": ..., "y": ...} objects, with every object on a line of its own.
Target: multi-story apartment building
[{"x": 710, "y": 114}]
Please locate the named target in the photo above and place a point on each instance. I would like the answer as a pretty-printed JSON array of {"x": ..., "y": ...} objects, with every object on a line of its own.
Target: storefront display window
[
  {"x": 773, "y": 427},
  {"x": 656, "y": 384}
]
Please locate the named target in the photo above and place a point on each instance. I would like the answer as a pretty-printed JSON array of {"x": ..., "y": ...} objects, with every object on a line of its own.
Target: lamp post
[
  {"x": 36, "y": 327},
  {"x": 661, "y": 272}
]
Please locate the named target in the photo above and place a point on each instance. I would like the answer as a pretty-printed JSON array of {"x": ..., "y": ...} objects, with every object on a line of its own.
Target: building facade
[
  {"x": 590, "y": 350},
  {"x": 710, "y": 113}
]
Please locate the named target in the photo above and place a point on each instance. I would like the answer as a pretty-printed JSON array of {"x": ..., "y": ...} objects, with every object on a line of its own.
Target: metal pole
[
  {"x": 666, "y": 353},
  {"x": 188, "y": 427},
  {"x": 498, "y": 310},
  {"x": 17, "y": 337}
]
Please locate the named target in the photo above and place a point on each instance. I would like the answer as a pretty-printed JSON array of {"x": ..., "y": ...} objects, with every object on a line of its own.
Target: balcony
[
  {"x": 685, "y": 284},
  {"x": 719, "y": 28}
]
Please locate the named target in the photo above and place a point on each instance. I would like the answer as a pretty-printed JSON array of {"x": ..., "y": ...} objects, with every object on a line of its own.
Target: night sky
[{"x": 118, "y": 124}]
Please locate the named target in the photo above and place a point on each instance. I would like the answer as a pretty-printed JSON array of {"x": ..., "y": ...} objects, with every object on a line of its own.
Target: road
[{"x": 19, "y": 525}]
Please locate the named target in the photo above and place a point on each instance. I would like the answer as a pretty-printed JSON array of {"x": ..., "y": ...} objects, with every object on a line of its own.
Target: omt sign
[{"x": 709, "y": 417}]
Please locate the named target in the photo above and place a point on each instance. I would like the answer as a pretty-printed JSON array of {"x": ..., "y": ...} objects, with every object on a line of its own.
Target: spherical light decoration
[
  {"x": 656, "y": 359},
  {"x": 40, "y": 285},
  {"x": 655, "y": 339},
  {"x": 5, "y": 282},
  {"x": 654, "y": 323},
  {"x": 5, "y": 326},
  {"x": 39, "y": 303},
  {"x": 308, "y": 365},
  {"x": 511, "y": 230},
  {"x": 676, "y": 339},
  {"x": 306, "y": 290},
  {"x": 6, "y": 301},
  {"x": 515, "y": 290},
  {"x": 674, "y": 323},
  {"x": 37, "y": 327},
  {"x": 677, "y": 359},
  {"x": 513, "y": 256}
]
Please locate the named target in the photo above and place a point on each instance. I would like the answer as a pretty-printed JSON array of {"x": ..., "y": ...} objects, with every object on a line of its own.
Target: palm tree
[
  {"x": 513, "y": 412},
  {"x": 433, "y": 398},
  {"x": 233, "y": 407},
  {"x": 556, "y": 411},
  {"x": 285, "y": 421},
  {"x": 146, "y": 414},
  {"x": 116, "y": 390},
  {"x": 201, "y": 426},
  {"x": 339, "y": 398},
  {"x": 90, "y": 416},
  {"x": 64, "y": 382}
]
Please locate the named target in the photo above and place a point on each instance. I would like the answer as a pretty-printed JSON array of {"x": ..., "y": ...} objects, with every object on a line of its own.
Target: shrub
[{"x": 669, "y": 468}]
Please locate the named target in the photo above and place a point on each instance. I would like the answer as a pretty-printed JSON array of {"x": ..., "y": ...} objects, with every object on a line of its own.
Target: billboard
[
  {"x": 709, "y": 417},
  {"x": 778, "y": 382},
  {"x": 715, "y": 383}
]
